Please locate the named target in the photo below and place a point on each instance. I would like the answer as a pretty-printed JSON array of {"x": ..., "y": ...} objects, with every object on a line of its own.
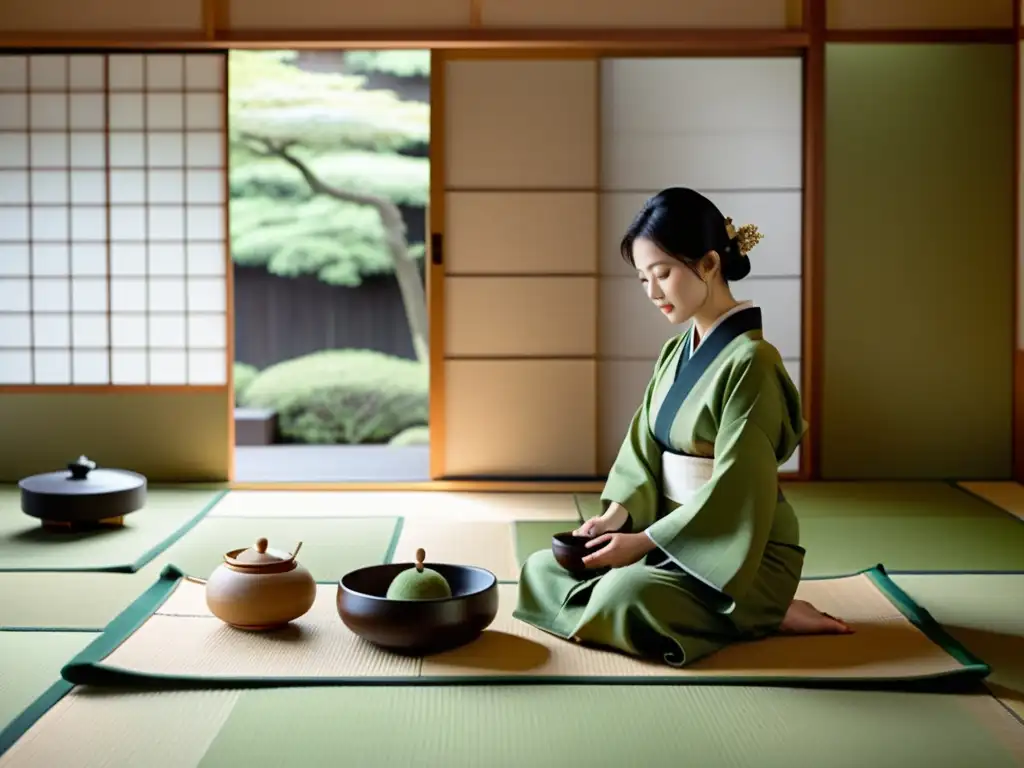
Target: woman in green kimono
[{"x": 696, "y": 547}]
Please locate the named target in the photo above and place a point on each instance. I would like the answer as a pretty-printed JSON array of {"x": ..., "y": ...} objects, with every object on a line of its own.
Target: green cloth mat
[
  {"x": 168, "y": 514},
  {"x": 514, "y": 726},
  {"x": 90, "y": 667},
  {"x": 918, "y": 526},
  {"x": 985, "y": 612},
  {"x": 31, "y": 664},
  {"x": 330, "y": 546}
]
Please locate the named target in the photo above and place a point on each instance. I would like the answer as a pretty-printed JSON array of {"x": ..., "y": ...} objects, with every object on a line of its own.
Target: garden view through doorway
[{"x": 329, "y": 185}]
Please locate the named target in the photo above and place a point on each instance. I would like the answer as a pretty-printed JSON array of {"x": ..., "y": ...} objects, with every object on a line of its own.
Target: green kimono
[{"x": 728, "y": 560}]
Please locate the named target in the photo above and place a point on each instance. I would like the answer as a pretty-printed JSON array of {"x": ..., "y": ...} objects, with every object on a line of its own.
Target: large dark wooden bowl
[
  {"x": 418, "y": 627},
  {"x": 569, "y": 552}
]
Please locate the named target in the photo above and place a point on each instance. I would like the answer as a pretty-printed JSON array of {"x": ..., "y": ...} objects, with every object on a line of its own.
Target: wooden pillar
[{"x": 1018, "y": 351}]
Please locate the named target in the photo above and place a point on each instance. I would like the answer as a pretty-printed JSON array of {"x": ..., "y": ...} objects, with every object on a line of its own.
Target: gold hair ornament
[{"x": 746, "y": 237}]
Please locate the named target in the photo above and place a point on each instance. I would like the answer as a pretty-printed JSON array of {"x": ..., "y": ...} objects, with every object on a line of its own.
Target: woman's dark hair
[{"x": 686, "y": 225}]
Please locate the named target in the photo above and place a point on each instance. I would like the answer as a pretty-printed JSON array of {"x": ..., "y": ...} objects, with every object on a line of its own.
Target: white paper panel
[
  {"x": 15, "y": 366},
  {"x": 52, "y": 366},
  {"x": 13, "y": 111},
  {"x": 13, "y": 73},
  {"x": 731, "y": 124},
  {"x": 168, "y": 366},
  {"x": 14, "y": 150},
  {"x": 14, "y": 260},
  {"x": 543, "y": 411},
  {"x": 521, "y": 124},
  {"x": 151, "y": 125},
  {"x": 746, "y": 160},
  {"x": 520, "y": 316},
  {"x": 15, "y": 330},
  {"x": 90, "y": 366},
  {"x": 207, "y": 367},
  {"x": 621, "y": 385},
  {"x": 521, "y": 232},
  {"x": 629, "y": 325},
  {"x": 16, "y": 294},
  {"x": 781, "y": 311},
  {"x": 129, "y": 366},
  {"x": 90, "y": 331},
  {"x": 207, "y": 331}
]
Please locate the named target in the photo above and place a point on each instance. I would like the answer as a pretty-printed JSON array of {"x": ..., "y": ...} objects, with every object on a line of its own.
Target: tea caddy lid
[{"x": 260, "y": 558}]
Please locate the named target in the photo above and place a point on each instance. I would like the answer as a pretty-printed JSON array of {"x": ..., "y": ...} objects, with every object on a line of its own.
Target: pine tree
[{"x": 316, "y": 178}]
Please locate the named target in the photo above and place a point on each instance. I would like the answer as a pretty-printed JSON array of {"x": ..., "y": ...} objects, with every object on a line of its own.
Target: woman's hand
[
  {"x": 613, "y": 519},
  {"x": 595, "y": 526},
  {"x": 619, "y": 550}
]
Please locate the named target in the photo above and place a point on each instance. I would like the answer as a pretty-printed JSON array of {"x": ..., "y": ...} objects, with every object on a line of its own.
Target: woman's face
[{"x": 670, "y": 284}]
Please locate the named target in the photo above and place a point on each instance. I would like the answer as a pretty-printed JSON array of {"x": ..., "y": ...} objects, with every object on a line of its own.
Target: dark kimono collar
[{"x": 689, "y": 369}]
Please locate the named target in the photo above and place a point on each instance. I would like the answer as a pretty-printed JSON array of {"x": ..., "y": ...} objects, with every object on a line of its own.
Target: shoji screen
[
  {"x": 520, "y": 265},
  {"x": 112, "y": 220},
  {"x": 730, "y": 128}
]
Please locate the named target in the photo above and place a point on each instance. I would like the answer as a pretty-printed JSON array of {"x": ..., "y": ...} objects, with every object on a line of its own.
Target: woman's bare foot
[{"x": 802, "y": 618}]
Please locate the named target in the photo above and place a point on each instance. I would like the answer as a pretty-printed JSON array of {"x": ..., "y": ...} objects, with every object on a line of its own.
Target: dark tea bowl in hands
[{"x": 569, "y": 551}]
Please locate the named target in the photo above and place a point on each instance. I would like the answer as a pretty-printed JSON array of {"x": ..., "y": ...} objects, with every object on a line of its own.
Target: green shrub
[
  {"x": 245, "y": 375},
  {"x": 412, "y": 436},
  {"x": 346, "y": 396}
]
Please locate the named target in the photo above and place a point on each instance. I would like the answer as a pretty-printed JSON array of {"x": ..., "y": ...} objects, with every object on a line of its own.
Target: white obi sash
[{"x": 682, "y": 476}]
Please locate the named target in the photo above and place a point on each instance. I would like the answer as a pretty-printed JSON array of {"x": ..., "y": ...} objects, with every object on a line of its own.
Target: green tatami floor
[{"x": 957, "y": 555}]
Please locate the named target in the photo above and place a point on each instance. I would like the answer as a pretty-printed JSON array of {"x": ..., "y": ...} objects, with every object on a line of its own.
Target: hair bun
[{"x": 735, "y": 266}]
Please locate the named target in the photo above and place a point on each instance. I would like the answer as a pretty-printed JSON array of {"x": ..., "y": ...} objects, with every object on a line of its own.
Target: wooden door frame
[{"x": 1017, "y": 450}]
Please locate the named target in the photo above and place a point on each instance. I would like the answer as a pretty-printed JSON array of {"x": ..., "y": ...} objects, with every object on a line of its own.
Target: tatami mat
[
  {"x": 908, "y": 526},
  {"x": 513, "y": 726},
  {"x": 182, "y": 641},
  {"x": 330, "y": 546},
  {"x": 93, "y": 728},
  {"x": 847, "y": 527},
  {"x": 921, "y": 526},
  {"x": 985, "y": 612},
  {"x": 168, "y": 514},
  {"x": 495, "y": 507},
  {"x": 484, "y": 545},
  {"x": 69, "y": 601},
  {"x": 1007, "y": 496},
  {"x": 535, "y": 535},
  {"x": 30, "y": 662}
]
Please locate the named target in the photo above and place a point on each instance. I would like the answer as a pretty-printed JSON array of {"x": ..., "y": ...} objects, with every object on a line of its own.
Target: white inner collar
[{"x": 721, "y": 319}]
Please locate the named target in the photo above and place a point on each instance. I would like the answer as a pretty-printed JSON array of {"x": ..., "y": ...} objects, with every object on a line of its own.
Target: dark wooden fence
[{"x": 280, "y": 318}]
